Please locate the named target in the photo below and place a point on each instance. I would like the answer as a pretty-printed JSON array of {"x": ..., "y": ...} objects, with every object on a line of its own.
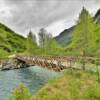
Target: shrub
[{"x": 20, "y": 93}]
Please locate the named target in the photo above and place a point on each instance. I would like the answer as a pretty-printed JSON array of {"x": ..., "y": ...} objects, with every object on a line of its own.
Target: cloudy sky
[{"x": 53, "y": 15}]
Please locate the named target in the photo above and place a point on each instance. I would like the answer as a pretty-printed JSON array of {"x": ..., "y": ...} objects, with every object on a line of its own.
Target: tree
[
  {"x": 83, "y": 38},
  {"x": 50, "y": 45},
  {"x": 97, "y": 32},
  {"x": 31, "y": 42},
  {"x": 42, "y": 37}
]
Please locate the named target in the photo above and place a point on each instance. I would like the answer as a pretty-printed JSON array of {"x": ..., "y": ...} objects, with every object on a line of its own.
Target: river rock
[
  {"x": 12, "y": 64},
  {"x": 8, "y": 64}
]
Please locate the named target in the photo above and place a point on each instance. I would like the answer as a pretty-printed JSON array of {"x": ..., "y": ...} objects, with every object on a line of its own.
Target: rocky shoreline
[{"x": 11, "y": 64}]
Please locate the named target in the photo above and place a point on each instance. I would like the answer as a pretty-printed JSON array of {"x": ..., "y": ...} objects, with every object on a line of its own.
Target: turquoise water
[{"x": 33, "y": 77}]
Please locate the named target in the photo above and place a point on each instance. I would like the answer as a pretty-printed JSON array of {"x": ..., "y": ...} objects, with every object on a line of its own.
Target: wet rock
[
  {"x": 8, "y": 64},
  {"x": 12, "y": 64}
]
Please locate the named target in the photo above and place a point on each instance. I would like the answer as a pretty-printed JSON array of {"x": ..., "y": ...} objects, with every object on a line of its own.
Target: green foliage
[
  {"x": 42, "y": 37},
  {"x": 48, "y": 45},
  {"x": 10, "y": 42},
  {"x": 51, "y": 47},
  {"x": 93, "y": 92},
  {"x": 31, "y": 43},
  {"x": 20, "y": 93},
  {"x": 3, "y": 54},
  {"x": 84, "y": 34},
  {"x": 97, "y": 32},
  {"x": 73, "y": 85}
]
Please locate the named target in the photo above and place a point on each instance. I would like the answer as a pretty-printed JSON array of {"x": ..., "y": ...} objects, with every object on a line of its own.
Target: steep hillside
[
  {"x": 65, "y": 37},
  {"x": 10, "y": 41}
]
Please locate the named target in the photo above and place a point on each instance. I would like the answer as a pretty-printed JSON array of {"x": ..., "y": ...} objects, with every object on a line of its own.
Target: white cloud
[
  {"x": 54, "y": 15},
  {"x": 4, "y": 10},
  {"x": 56, "y": 27}
]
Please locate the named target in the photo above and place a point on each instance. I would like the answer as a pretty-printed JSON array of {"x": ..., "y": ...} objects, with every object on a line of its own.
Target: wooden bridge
[{"x": 57, "y": 63}]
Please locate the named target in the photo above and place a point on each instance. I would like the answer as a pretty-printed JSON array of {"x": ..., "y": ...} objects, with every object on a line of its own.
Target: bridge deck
[{"x": 57, "y": 63}]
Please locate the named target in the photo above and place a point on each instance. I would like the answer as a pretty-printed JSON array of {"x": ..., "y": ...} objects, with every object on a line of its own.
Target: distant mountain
[
  {"x": 65, "y": 37},
  {"x": 97, "y": 16},
  {"x": 10, "y": 41}
]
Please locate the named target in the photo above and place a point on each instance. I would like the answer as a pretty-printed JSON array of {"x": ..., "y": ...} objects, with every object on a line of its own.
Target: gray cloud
[{"x": 33, "y": 14}]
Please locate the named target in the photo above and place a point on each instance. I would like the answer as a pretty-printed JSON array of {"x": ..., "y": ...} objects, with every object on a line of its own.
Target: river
[{"x": 33, "y": 77}]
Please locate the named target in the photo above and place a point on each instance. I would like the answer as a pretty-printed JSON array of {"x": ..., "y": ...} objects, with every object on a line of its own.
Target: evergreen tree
[
  {"x": 31, "y": 42},
  {"x": 84, "y": 37}
]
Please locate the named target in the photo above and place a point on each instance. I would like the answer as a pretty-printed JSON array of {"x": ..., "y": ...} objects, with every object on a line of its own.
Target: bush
[{"x": 20, "y": 93}]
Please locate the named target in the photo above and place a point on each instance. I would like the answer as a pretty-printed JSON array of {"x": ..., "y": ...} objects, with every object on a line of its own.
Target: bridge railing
[{"x": 72, "y": 61}]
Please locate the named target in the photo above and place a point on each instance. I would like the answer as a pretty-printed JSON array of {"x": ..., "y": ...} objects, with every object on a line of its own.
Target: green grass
[{"x": 73, "y": 85}]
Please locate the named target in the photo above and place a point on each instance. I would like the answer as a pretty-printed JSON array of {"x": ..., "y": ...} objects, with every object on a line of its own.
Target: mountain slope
[
  {"x": 10, "y": 41},
  {"x": 97, "y": 16},
  {"x": 65, "y": 37}
]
